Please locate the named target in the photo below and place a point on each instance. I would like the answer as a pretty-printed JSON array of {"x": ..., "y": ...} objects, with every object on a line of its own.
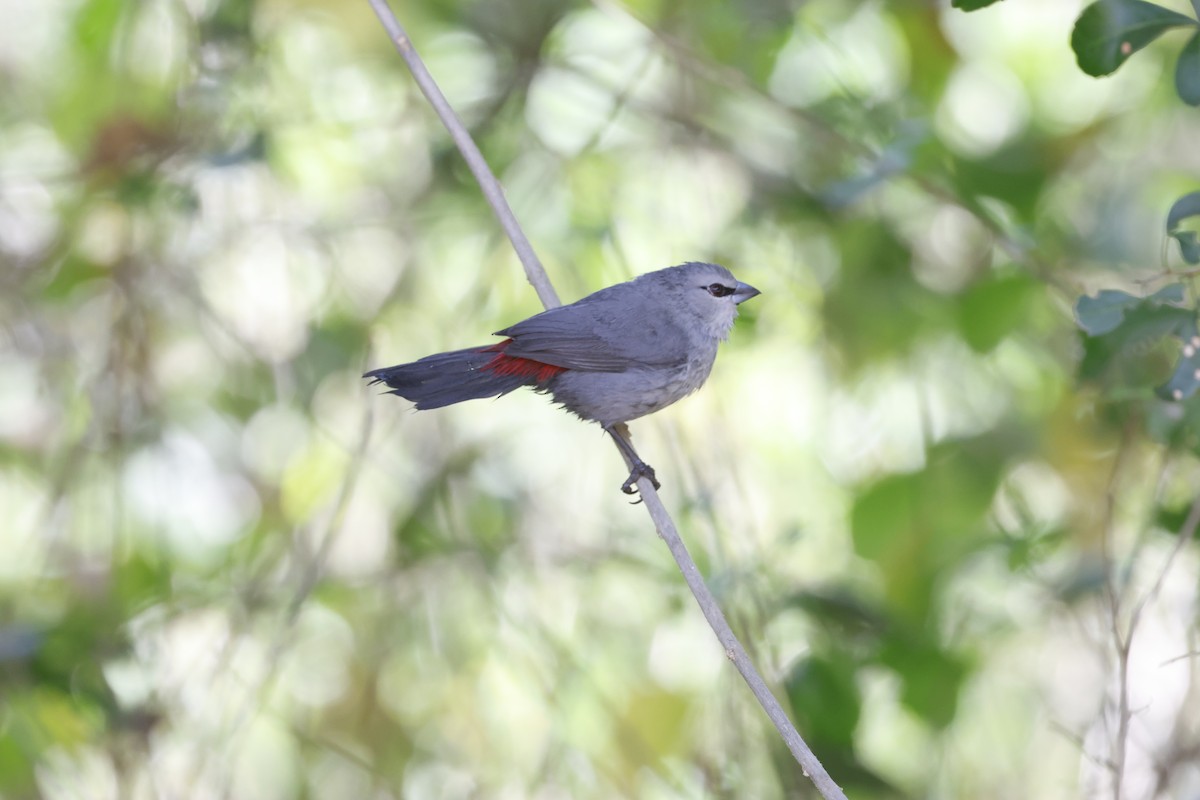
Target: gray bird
[{"x": 616, "y": 355}]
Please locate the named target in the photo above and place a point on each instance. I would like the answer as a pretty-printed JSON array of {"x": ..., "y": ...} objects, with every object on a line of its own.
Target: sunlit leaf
[
  {"x": 658, "y": 717},
  {"x": 1110, "y": 31},
  {"x": 16, "y": 768},
  {"x": 95, "y": 25}
]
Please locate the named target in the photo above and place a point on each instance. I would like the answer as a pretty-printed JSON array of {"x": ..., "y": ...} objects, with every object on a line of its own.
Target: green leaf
[
  {"x": 1186, "y": 380},
  {"x": 1110, "y": 31},
  {"x": 971, "y": 5},
  {"x": 1185, "y": 207},
  {"x": 824, "y": 697},
  {"x": 1104, "y": 312},
  {"x": 95, "y": 28},
  {"x": 842, "y": 613},
  {"x": 17, "y": 778},
  {"x": 1174, "y": 423},
  {"x": 915, "y": 525},
  {"x": 1189, "y": 246},
  {"x": 876, "y": 308},
  {"x": 1187, "y": 72},
  {"x": 992, "y": 309},
  {"x": 930, "y": 675},
  {"x": 1137, "y": 352}
]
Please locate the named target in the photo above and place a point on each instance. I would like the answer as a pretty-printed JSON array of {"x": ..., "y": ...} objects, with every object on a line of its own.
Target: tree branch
[
  {"x": 658, "y": 512},
  {"x": 733, "y": 648}
]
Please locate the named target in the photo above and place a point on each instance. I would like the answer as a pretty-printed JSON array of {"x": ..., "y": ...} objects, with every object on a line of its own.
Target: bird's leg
[{"x": 638, "y": 469}]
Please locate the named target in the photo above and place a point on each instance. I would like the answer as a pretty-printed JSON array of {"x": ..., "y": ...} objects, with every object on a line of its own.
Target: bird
[{"x": 616, "y": 355}]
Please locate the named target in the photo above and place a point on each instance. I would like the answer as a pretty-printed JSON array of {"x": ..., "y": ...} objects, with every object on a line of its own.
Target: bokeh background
[{"x": 228, "y": 569}]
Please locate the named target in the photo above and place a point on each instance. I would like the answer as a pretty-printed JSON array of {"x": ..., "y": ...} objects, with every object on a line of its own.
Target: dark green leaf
[
  {"x": 915, "y": 525},
  {"x": 1183, "y": 208},
  {"x": 1189, "y": 246},
  {"x": 842, "y": 611},
  {"x": 992, "y": 309},
  {"x": 824, "y": 697},
  {"x": 1165, "y": 421},
  {"x": 877, "y": 308},
  {"x": 1104, "y": 312},
  {"x": 931, "y": 677},
  {"x": 1172, "y": 519},
  {"x": 971, "y": 5},
  {"x": 1187, "y": 72},
  {"x": 1110, "y": 31},
  {"x": 1025, "y": 551},
  {"x": 1138, "y": 352},
  {"x": 1186, "y": 380}
]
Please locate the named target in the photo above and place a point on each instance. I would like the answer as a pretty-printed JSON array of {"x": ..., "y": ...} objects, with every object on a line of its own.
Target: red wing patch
[{"x": 502, "y": 364}]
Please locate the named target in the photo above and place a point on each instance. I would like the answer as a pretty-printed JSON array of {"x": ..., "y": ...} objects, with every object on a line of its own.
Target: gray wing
[{"x": 610, "y": 331}]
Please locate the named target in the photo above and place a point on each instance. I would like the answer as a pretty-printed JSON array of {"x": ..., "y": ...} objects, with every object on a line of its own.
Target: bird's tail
[{"x": 447, "y": 378}]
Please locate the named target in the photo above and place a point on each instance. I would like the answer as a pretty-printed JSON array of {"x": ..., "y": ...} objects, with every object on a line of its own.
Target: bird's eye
[{"x": 717, "y": 290}]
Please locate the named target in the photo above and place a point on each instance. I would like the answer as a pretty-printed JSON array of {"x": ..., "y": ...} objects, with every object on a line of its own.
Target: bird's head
[{"x": 706, "y": 293}]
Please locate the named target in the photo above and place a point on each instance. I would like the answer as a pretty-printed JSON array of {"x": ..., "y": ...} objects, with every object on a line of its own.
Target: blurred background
[{"x": 228, "y": 569}]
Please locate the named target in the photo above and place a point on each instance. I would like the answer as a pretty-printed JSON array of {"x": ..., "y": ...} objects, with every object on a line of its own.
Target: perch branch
[{"x": 658, "y": 512}]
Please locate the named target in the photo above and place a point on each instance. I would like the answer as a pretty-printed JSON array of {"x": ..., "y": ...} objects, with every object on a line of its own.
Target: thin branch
[
  {"x": 658, "y": 512},
  {"x": 1121, "y": 642},
  {"x": 733, "y": 648},
  {"x": 1185, "y": 535},
  {"x": 1184, "y": 657},
  {"x": 1077, "y": 740}
]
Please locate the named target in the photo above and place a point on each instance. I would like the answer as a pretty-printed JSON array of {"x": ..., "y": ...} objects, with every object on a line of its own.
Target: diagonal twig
[{"x": 658, "y": 512}]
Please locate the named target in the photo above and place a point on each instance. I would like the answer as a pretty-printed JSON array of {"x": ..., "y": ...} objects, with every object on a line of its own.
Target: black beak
[{"x": 744, "y": 292}]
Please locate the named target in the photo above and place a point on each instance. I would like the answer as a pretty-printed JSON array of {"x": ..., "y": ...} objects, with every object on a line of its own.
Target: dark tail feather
[{"x": 447, "y": 378}]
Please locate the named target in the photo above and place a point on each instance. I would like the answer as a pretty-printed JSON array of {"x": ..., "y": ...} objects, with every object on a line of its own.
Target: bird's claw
[{"x": 640, "y": 470}]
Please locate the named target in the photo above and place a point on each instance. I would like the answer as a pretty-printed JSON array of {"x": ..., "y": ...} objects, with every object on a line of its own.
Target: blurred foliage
[{"x": 935, "y": 504}]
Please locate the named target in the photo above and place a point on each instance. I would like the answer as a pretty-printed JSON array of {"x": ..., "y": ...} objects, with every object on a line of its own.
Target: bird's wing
[{"x": 604, "y": 332}]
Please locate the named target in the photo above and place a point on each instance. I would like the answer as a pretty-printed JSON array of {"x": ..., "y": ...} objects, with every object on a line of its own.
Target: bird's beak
[{"x": 744, "y": 292}]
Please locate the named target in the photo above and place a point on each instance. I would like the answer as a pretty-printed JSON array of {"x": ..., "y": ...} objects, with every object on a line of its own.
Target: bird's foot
[{"x": 640, "y": 470}]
